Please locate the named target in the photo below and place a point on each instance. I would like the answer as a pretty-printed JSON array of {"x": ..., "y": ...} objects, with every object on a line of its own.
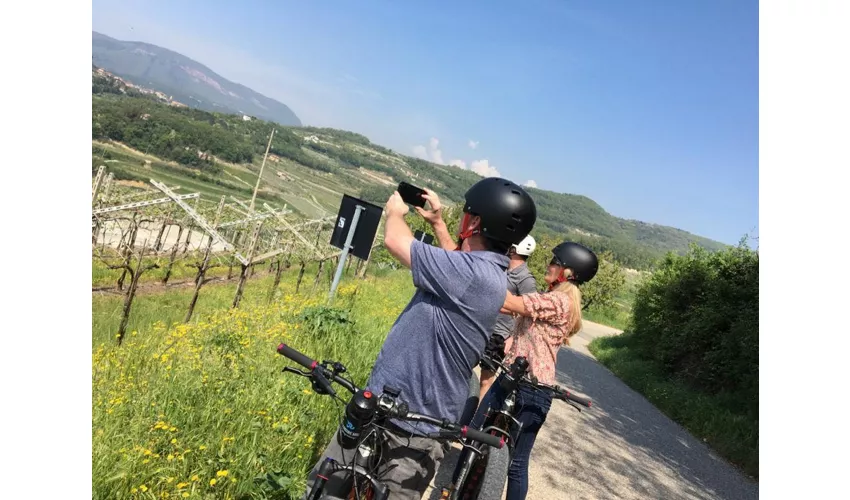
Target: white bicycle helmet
[{"x": 526, "y": 246}]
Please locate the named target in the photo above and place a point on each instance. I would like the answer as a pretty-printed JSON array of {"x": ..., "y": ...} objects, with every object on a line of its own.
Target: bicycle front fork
[{"x": 330, "y": 467}]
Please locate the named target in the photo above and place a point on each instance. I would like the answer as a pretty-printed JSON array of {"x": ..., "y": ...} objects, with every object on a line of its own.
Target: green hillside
[{"x": 310, "y": 168}]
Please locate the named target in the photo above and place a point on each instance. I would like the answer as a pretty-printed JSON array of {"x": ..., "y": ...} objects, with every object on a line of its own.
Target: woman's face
[{"x": 552, "y": 273}]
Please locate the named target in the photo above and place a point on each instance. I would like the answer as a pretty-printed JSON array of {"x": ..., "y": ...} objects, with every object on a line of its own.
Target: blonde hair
[{"x": 569, "y": 289}]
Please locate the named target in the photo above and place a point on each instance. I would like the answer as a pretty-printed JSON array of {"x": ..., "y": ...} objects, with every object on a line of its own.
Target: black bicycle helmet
[
  {"x": 579, "y": 258},
  {"x": 507, "y": 212}
]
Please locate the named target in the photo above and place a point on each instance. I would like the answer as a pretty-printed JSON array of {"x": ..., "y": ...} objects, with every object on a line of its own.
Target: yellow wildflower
[
  {"x": 195, "y": 478},
  {"x": 212, "y": 482},
  {"x": 221, "y": 473},
  {"x": 143, "y": 488}
]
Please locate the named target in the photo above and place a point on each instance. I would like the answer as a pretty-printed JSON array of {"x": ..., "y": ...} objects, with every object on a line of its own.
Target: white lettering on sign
[{"x": 341, "y": 222}]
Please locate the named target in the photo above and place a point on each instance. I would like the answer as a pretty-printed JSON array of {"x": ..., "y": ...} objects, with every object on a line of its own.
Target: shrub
[{"x": 697, "y": 316}]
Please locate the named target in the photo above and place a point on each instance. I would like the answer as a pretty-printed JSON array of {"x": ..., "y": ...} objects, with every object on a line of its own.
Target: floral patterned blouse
[{"x": 539, "y": 336}]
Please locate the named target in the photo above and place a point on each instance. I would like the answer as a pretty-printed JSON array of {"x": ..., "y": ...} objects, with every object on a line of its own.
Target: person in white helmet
[{"x": 520, "y": 282}]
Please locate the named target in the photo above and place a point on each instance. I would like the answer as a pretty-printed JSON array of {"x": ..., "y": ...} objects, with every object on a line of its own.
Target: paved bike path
[{"x": 623, "y": 447}]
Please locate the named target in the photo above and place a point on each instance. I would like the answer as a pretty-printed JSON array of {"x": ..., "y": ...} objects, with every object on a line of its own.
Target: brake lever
[
  {"x": 320, "y": 383},
  {"x": 296, "y": 371}
]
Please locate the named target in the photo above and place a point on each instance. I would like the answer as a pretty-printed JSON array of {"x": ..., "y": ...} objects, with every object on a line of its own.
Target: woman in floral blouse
[{"x": 547, "y": 321}]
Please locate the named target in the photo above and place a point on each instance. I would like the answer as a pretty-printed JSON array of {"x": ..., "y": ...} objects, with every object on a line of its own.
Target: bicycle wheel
[
  {"x": 471, "y": 401},
  {"x": 491, "y": 482}
]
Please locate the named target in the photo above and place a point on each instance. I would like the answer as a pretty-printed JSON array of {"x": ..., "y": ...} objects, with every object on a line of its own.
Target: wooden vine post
[
  {"x": 203, "y": 266},
  {"x": 252, "y": 246},
  {"x": 135, "y": 275}
]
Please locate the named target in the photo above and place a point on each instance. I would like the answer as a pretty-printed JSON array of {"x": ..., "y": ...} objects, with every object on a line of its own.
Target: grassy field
[
  {"x": 201, "y": 410},
  {"x": 730, "y": 434}
]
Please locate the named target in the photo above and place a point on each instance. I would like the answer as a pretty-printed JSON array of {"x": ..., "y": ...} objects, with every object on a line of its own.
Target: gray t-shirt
[
  {"x": 436, "y": 341},
  {"x": 520, "y": 282}
]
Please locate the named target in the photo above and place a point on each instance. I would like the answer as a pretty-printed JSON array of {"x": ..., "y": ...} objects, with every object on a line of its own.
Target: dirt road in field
[{"x": 623, "y": 447}]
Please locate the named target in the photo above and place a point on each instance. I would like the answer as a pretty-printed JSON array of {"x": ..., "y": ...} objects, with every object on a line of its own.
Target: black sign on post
[
  {"x": 423, "y": 237},
  {"x": 367, "y": 226}
]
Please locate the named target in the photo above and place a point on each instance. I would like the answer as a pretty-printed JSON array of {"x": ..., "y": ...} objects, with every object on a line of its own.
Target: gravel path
[{"x": 623, "y": 447}]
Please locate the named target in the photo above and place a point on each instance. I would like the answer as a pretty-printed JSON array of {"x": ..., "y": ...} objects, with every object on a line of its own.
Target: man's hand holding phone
[
  {"x": 435, "y": 214},
  {"x": 395, "y": 205}
]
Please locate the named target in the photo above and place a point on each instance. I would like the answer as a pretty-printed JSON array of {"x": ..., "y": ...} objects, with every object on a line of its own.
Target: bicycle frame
[
  {"x": 499, "y": 420},
  {"x": 368, "y": 458}
]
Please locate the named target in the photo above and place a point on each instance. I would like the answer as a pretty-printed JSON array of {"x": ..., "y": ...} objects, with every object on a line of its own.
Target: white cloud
[
  {"x": 432, "y": 152},
  {"x": 436, "y": 154},
  {"x": 458, "y": 163},
  {"x": 473, "y": 144},
  {"x": 484, "y": 169},
  {"x": 530, "y": 183}
]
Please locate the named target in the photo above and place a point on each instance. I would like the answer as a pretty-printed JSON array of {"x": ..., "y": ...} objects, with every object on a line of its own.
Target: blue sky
[{"x": 649, "y": 108}]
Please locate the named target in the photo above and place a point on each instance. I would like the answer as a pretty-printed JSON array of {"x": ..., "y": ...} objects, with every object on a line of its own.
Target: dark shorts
[
  {"x": 495, "y": 349},
  {"x": 409, "y": 465}
]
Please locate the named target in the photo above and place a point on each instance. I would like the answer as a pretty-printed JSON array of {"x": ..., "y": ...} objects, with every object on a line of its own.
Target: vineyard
[{"x": 136, "y": 231}]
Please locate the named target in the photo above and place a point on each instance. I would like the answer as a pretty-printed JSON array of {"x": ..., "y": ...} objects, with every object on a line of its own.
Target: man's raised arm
[{"x": 397, "y": 235}]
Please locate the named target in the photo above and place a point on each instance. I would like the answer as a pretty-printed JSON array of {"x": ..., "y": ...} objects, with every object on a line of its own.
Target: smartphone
[{"x": 411, "y": 194}]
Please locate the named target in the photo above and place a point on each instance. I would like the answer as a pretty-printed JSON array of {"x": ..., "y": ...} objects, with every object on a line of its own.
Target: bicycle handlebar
[
  {"x": 560, "y": 392},
  {"x": 450, "y": 429},
  {"x": 455, "y": 431},
  {"x": 298, "y": 357},
  {"x": 319, "y": 373}
]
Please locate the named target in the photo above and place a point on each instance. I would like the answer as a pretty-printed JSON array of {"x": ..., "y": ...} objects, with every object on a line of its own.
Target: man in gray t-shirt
[
  {"x": 520, "y": 282},
  {"x": 437, "y": 340}
]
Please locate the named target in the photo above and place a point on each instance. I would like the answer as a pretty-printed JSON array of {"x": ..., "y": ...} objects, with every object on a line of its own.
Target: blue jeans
[{"x": 531, "y": 410}]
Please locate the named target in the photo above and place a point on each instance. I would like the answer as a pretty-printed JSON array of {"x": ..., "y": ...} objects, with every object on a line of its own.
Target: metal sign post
[
  {"x": 344, "y": 255},
  {"x": 423, "y": 237}
]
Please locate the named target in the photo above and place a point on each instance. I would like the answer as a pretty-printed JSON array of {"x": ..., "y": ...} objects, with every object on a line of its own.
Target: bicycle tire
[
  {"x": 471, "y": 401},
  {"x": 495, "y": 475}
]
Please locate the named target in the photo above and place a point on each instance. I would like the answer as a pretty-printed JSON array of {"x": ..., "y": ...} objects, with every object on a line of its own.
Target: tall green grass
[{"x": 202, "y": 410}]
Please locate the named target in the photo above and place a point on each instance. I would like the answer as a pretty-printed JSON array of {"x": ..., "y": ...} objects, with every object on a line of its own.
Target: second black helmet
[{"x": 579, "y": 258}]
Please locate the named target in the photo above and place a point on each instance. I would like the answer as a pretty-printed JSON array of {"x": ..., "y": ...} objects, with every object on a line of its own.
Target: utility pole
[{"x": 254, "y": 196}]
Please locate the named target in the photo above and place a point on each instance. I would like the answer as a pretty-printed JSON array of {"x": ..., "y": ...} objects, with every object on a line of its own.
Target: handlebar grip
[
  {"x": 578, "y": 399},
  {"x": 301, "y": 359},
  {"x": 488, "y": 439}
]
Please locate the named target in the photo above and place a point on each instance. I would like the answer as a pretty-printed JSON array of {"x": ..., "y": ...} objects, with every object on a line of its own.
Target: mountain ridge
[{"x": 184, "y": 79}]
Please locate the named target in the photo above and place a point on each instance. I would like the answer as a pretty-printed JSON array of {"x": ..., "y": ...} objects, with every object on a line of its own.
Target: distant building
[{"x": 246, "y": 118}]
